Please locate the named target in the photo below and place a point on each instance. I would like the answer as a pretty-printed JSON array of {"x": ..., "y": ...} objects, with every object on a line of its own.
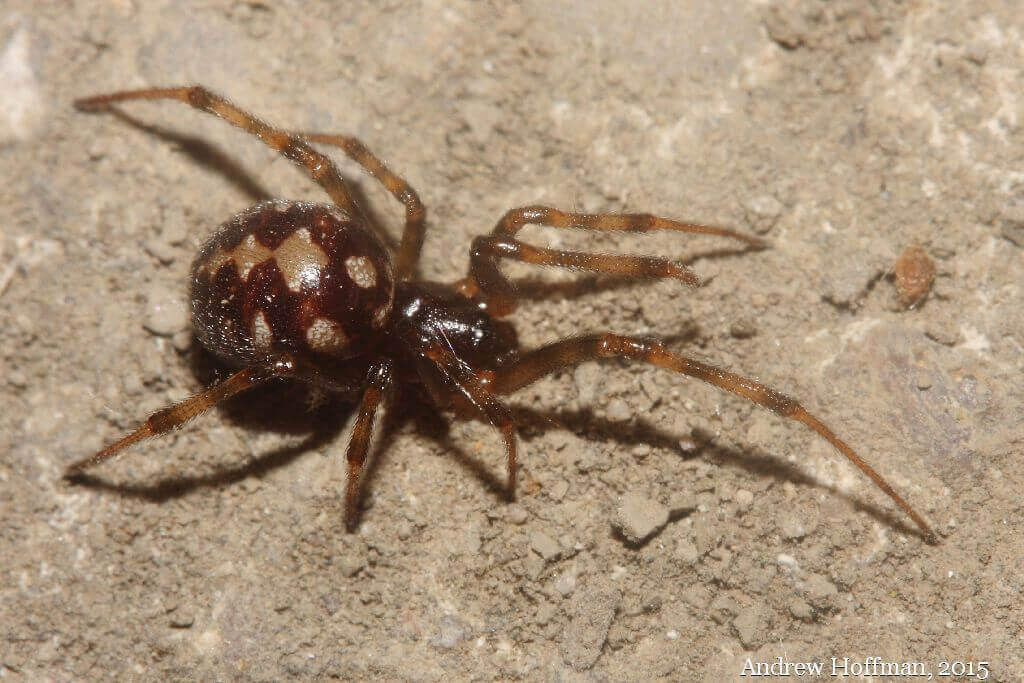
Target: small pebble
[
  {"x": 792, "y": 527},
  {"x": 349, "y": 565},
  {"x": 592, "y": 459},
  {"x": 744, "y": 328},
  {"x": 618, "y": 410},
  {"x": 450, "y": 631},
  {"x": 557, "y": 490},
  {"x": 182, "y": 341},
  {"x": 638, "y": 517},
  {"x": 819, "y": 589},
  {"x": 618, "y": 636},
  {"x": 800, "y": 609},
  {"x": 765, "y": 211},
  {"x": 682, "y": 503},
  {"x": 787, "y": 561},
  {"x": 545, "y": 613},
  {"x": 516, "y": 514},
  {"x": 481, "y": 118},
  {"x": 161, "y": 251},
  {"x": 545, "y": 546},
  {"x": 584, "y": 638},
  {"x": 166, "y": 312},
  {"x": 687, "y": 552},
  {"x": 914, "y": 273},
  {"x": 1012, "y": 220},
  {"x": 722, "y": 608},
  {"x": 751, "y": 624},
  {"x": 687, "y": 445},
  {"x": 566, "y": 583},
  {"x": 588, "y": 378},
  {"x": 182, "y": 620}
]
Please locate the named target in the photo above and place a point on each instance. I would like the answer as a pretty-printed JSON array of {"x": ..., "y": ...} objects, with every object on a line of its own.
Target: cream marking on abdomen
[
  {"x": 361, "y": 270},
  {"x": 262, "y": 335},
  {"x": 300, "y": 260},
  {"x": 325, "y": 335},
  {"x": 249, "y": 253}
]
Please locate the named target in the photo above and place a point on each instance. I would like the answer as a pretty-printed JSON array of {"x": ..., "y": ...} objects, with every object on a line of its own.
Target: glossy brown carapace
[{"x": 309, "y": 292}]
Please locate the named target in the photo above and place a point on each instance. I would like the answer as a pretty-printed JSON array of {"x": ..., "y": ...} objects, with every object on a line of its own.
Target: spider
[{"x": 290, "y": 289}]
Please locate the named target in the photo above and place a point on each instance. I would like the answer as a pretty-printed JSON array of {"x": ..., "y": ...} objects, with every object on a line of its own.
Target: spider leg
[
  {"x": 567, "y": 352},
  {"x": 379, "y": 382},
  {"x": 415, "y": 213},
  {"x": 178, "y": 414},
  {"x": 320, "y": 167},
  {"x": 468, "y": 387},
  {"x": 486, "y": 283}
]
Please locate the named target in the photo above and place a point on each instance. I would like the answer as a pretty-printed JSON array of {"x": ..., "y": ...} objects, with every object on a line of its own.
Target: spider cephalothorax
[{"x": 309, "y": 292}]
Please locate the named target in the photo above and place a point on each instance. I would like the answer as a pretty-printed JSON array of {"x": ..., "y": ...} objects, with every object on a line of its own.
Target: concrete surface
[{"x": 843, "y": 132}]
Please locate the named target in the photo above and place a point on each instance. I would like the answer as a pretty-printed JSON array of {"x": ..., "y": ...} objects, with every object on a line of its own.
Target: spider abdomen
[{"x": 295, "y": 277}]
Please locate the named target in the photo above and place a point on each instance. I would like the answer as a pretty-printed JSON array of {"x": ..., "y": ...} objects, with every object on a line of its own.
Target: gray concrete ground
[{"x": 844, "y": 132}]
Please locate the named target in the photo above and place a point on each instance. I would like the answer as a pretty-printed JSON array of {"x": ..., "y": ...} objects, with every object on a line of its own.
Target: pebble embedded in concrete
[
  {"x": 166, "y": 312},
  {"x": 545, "y": 546},
  {"x": 516, "y": 514},
  {"x": 639, "y": 517},
  {"x": 751, "y": 625}
]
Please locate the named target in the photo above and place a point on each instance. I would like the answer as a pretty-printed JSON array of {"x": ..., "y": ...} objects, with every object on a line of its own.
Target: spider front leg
[
  {"x": 496, "y": 294},
  {"x": 320, "y": 168},
  {"x": 545, "y": 360},
  {"x": 378, "y": 385},
  {"x": 415, "y": 213},
  {"x": 174, "y": 416},
  {"x": 456, "y": 381}
]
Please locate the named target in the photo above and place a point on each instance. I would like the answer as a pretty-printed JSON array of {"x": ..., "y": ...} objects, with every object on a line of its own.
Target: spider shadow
[
  {"x": 281, "y": 406},
  {"x": 636, "y": 431},
  {"x": 210, "y": 156},
  {"x": 202, "y": 153},
  {"x": 538, "y": 289}
]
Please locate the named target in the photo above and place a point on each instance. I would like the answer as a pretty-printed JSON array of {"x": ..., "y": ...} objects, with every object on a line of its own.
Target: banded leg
[
  {"x": 174, "y": 416},
  {"x": 495, "y": 293},
  {"x": 379, "y": 382},
  {"x": 320, "y": 167},
  {"x": 415, "y": 213},
  {"x": 470, "y": 389},
  {"x": 568, "y": 352}
]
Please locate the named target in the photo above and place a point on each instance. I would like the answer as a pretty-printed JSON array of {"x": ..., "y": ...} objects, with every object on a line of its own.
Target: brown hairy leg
[
  {"x": 379, "y": 382},
  {"x": 487, "y": 284},
  {"x": 567, "y": 352},
  {"x": 320, "y": 167},
  {"x": 468, "y": 388},
  {"x": 174, "y": 416},
  {"x": 415, "y": 213}
]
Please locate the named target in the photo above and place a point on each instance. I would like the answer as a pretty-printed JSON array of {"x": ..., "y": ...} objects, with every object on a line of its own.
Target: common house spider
[{"x": 308, "y": 291}]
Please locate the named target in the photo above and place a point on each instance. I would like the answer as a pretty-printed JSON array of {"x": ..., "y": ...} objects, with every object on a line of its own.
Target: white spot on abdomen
[
  {"x": 300, "y": 260},
  {"x": 262, "y": 335},
  {"x": 247, "y": 254},
  {"x": 326, "y": 336},
  {"x": 361, "y": 270}
]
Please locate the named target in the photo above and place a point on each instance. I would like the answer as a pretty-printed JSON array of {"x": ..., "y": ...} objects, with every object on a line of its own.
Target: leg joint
[{"x": 199, "y": 97}]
